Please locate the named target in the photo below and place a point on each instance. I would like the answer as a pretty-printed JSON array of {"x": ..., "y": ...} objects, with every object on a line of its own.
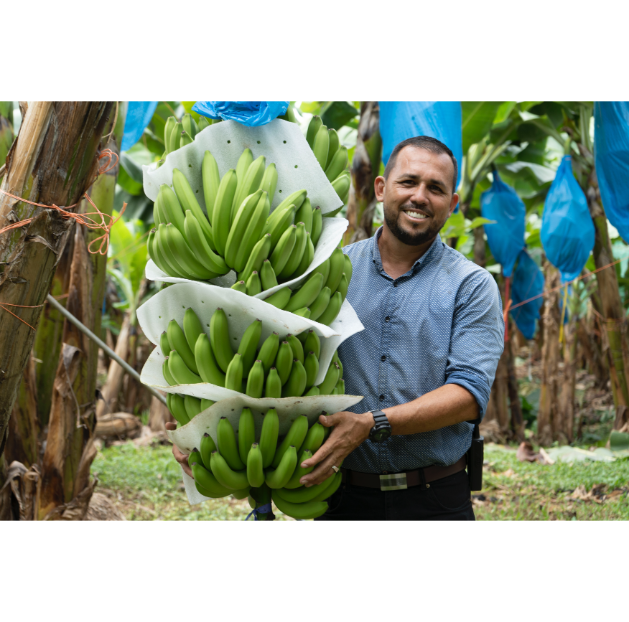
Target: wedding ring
[{"x": 335, "y": 468}]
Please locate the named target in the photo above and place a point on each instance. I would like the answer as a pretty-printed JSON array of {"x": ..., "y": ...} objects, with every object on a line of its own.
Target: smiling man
[{"x": 426, "y": 360}]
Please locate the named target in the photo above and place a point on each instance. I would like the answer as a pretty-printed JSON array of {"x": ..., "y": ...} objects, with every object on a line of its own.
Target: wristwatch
[{"x": 382, "y": 430}]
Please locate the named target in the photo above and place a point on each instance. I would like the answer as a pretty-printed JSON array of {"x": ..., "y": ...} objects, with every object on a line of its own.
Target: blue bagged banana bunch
[
  {"x": 264, "y": 468},
  {"x": 274, "y": 368}
]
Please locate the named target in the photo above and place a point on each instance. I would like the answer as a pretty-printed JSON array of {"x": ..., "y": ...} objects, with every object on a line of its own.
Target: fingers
[
  {"x": 329, "y": 420},
  {"x": 322, "y": 472},
  {"x": 186, "y": 469},
  {"x": 319, "y": 455}
]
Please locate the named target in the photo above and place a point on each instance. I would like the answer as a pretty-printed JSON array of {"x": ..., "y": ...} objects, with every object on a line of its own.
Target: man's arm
[{"x": 442, "y": 407}]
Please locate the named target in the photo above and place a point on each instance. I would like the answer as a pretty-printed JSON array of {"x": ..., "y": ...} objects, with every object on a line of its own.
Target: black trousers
[{"x": 448, "y": 498}]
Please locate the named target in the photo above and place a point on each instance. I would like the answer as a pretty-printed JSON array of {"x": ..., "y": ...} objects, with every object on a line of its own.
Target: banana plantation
[{"x": 88, "y": 283}]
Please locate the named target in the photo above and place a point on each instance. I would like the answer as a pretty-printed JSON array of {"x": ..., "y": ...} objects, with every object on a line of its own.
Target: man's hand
[
  {"x": 350, "y": 430},
  {"x": 182, "y": 459}
]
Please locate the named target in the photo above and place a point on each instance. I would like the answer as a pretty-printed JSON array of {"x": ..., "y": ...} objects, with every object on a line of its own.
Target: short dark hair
[{"x": 422, "y": 142}]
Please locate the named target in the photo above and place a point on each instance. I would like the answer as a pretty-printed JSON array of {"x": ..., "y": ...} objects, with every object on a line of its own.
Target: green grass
[{"x": 145, "y": 484}]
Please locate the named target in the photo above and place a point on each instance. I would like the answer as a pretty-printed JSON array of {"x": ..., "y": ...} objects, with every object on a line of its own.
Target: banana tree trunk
[
  {"x": 566, "y": 399},
  {"x": 365, "y": 169},
  {"x": 517, "y": 421},
  {"x": 612, "y": 309},
  {"x": 52, "y": 161}
]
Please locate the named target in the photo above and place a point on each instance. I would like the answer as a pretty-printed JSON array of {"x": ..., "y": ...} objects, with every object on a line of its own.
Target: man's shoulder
[
  {"x": 359, "y": 250},
  {"x": 465, "y": 270}
]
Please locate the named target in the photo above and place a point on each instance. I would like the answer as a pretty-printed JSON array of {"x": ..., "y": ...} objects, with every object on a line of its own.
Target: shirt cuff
[{"x": 479, "y": 396}]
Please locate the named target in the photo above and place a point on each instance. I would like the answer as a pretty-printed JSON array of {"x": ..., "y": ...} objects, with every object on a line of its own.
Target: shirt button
[
  {"x": 383, "y": 358},
  {"x": 394, "y": 284},
  {"x": 382, "y": 398},
  {"x": 386, "y": 319}
]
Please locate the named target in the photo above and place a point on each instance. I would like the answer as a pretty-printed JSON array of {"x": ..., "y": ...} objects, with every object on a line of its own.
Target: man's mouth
[{"x": 414, "y": 214}]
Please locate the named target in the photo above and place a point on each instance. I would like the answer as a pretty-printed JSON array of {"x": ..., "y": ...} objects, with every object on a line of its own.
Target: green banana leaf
[
  {"x": 337, "y": 114},
  {"x": 477, "y": 120},
  {"x": 130, "y": 175}
]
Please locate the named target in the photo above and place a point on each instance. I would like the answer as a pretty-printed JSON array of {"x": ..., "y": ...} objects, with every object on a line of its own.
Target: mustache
[{"x": 421, "y": 208}]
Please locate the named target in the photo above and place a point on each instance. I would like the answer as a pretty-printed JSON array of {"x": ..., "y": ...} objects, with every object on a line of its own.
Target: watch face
[{"x": 381, "y": 435}]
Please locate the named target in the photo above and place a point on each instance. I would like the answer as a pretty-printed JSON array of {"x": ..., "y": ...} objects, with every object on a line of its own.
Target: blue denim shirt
[{"x": 439, "y": 323}]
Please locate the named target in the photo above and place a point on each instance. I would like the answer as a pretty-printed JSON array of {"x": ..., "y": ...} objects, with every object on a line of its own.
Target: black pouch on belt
[{"x": 475, "y": 457}]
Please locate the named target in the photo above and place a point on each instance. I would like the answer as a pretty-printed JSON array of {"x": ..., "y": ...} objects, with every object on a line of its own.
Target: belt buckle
[{"x": 394, "y": 481}]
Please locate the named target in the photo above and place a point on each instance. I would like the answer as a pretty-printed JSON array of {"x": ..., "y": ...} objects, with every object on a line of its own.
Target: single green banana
[
  {"x": 207, "y": 484},
  {"x": 301, "y": 511},
  {"x": 174, "y": 136},
  {"x": 295, "y": 437},
  {"x": 278, "y": 477},
  {"x": 312, "y": 392},
  {"x": 337, "y": 265},
  {"x": 221, "y": 216},
  {"x": 343, "y": 286},
  {"x": 306, "y": 294},
  {"x": 296, "y": 347},
  {"x": 174, "y": 268},
  {"x": 254, "y": 286},
  {"x": 328, "y": 491},
  {"x": 194, "y": 457},
  {"x": 226, "y": 475},
  {"x": 207, "y": 447},
  {"x": 164, "y": 344},
  {"x": 238, "y": 227},
  {"x": 171, "y": 208},
  {"x": 283, "y": 250},
  {"x": 324, "y": 269},
  {"x": 280, "y": 225},
  {"x": 268, "y": 351},
  {"x": 192, "y": 328},
  {"x": 340, "y": 387},
  {"x": 313, "y": 343},
  {"x": 158, "y": 218},
  {"x": 313, "y": 128},
  {"x": 284, "y": 361},
  {"x": 178, "y": 341},
  {"x": 219, "y": 338},
  {"x": 192, "y": 406},
  {"x": 348, "y": 267},
  {"x": 206, "y": 362},
  {"x": 335, "y": 143},
  {"x": 233, "y": 375},
  {"x": 311, "y": 365},
  {"x": 304, "y": 214},
  {"x": 333, "y": 309},
  {"x": 188, "y": 201},
  {"x": 189, "y": 125},
  {"x": 226, "y": 439},
  {"x": 180, "y": 249},
  {"x": 246, "y": 433},
  {"x": 296, "y": 382},
  {"x": 151, "y": 247},
  {"x": 320, "y": 304},
  {"x": 330, "y": 380},
  {"x": 273, "y": 386},
  {"x": 240, "y": 286},
  {"x": 205, "y": 404},
  {"x": 167, "y": 375},
  {"x": 241, "y": 494},
  {"x": 257, "y": 258},
  {"x": 314, "y": 439},
  {"x": 297, "y": 253},
  {"x": 317, "y": 225},
  {"x": 252, "y": 233},
  {"x": 200, "y": 247},
  {"x": 168, "y": 127},
  {"x": 303, "y": 312},
  {"x": 248, "y": 345},
  {"x": 268, "y": 436},
  {"x": 255, "y": 380},
  {"x": 203, "y": 123},
  {"x": 300, "y": 471},
  {"x": 337, "y": 165},
  {"x": 296, "y": 199},
  {"x": 280, "y": 298},
  {"x": 178, "y": 409},
  {"x": 342, "y": 185},
  {"x": 269, "y": 181},
  {"x": 180, "y": 371},
  {"x": 243, "y": 164},
  {"x": 321, "y": 146},
  {"x": 306, "y": 259},
  {"x": 255, "y": 468},
  {"x": 302, "y": 494},
  {"x": 267, "y": 275},
  {"x": 211, "y": 182},
  {"x": 249, "y": 181}
]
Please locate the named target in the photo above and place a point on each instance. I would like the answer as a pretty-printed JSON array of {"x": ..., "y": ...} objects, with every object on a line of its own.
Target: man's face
[{"x": 418, "y": 196}]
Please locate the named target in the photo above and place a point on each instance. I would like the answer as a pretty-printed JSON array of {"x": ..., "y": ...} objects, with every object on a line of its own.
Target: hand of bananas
[
  {"x": 277, "y": 369},
  {"x": 264, "y": 468},
  {"x": 181, "y": 133}
]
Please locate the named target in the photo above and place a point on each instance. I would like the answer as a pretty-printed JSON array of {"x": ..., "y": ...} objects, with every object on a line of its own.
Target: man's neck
[{"x": 398, "y": 258}]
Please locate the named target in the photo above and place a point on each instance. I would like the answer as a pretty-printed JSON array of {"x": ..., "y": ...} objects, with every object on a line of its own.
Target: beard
[{"x": 410, "y": 238}]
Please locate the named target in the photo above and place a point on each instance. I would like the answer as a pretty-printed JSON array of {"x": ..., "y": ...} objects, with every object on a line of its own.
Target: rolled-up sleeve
[{"x": 477, "y": 338}]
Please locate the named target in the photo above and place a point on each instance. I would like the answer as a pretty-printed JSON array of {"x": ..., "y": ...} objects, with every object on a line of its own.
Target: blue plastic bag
[
  {"x": 567, "y": 229},
  {"x": 611, "y": 151},
  {"x": 441, "y": 120},
  {"x": 251, "y": 114},
  {"x": 139, "y": 115},
  {"x": 506, "y": 237},
  {"x": 527, "y": 282}
]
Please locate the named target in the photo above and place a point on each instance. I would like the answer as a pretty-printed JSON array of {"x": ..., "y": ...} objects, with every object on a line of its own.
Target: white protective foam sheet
[
  {"x": 189, "y": 436},
  {"x": 171, "y": 304},
  {"x": 333, "y": 229}
]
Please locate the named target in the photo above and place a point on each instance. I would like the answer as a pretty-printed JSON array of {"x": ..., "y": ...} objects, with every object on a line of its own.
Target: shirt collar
[{"x": 436, "y": 248}]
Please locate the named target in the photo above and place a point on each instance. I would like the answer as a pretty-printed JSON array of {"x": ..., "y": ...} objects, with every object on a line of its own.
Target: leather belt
[{"x": 401, "y": 481}]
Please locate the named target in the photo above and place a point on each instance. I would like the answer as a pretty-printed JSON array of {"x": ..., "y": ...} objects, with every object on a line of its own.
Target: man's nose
[{"x": 419, "y": 196}]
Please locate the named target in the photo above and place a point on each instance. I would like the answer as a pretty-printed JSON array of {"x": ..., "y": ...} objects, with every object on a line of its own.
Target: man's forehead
[{"x": 412, "y": 158}]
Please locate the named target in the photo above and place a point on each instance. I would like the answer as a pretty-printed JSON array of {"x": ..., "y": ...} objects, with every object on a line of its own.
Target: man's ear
[
  {"x": 378, "y": 186},
  {"x": 453, "y": 202}
]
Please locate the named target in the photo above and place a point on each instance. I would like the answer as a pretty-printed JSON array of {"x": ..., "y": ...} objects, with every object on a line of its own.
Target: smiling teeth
[{"x": 416, "y": 215}]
